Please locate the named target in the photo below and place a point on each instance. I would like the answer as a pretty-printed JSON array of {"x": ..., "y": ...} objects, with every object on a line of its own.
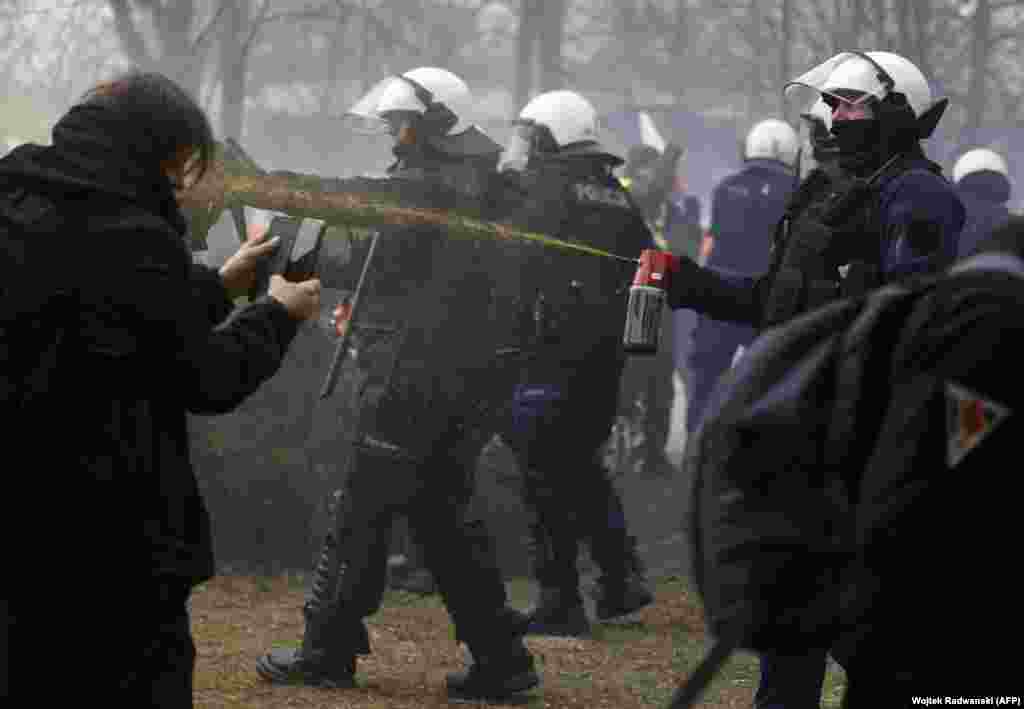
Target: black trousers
[
  {"x": 119, "y": 642},
  {"x": 559, "y": 452},
  {"x": 433, "y": 494}
]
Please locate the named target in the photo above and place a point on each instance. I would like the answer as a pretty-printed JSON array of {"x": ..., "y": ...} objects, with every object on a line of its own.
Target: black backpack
[
  {"x": 35, "y": 299},
  {"x": 776, "y": 466}
]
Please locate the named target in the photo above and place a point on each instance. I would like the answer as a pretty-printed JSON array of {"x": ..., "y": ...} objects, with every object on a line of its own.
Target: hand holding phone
[{"x": 297, "y": 255}]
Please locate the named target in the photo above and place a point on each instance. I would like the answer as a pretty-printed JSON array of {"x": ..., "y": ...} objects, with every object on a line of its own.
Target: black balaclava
[{"x": 866, "y": 144}]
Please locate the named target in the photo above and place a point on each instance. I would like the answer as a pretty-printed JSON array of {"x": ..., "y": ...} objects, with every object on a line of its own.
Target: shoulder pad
[{"x": 470, "y": 143}]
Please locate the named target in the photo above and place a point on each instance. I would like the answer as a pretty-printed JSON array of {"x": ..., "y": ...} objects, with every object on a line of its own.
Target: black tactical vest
[
  {"x": 571, "y": 305},
  {"x": 426, "y": 332},
  {"x": 850, "y": 265}
]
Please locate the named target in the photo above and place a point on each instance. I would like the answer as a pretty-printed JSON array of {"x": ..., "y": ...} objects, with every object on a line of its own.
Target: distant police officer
[
  {"x": 745, "y": 207},
  {"x": 416, "y": 445},
  {"x": 887, "y": 215},
  {"x": 559, "y": 182},
  {"x": 982, "y": 179},
  {"x": 650, "y": 177}
]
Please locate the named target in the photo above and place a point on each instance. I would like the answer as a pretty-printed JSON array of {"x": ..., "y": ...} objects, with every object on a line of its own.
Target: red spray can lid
[{"x": 655, "y": 268}]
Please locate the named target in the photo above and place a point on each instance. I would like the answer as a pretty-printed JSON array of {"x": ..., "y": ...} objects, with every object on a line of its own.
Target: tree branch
[
  {"x": 207, "y": 32},
  {"x": 132, "y": 41}
]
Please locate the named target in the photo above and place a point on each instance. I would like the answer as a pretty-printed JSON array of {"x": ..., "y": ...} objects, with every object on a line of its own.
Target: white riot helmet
[
  {"x": 856, "y": 77},
  {"x": 772, "y": 139},
  {"x": 552, "y": 122},
  {"x": 570, "y": 117},
  {"x": 439, "y": 97},
  {"x": 980, "y": 160}
]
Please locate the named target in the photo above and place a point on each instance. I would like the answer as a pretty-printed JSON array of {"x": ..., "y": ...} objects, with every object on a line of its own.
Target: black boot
[
  {"x": 308, "y": 666},
  {"x": 495, "y": 673},
  {"x": 559, "y": 613},
  {"x": 622, "y": 589},
  {"x": 327, "y": 657}
]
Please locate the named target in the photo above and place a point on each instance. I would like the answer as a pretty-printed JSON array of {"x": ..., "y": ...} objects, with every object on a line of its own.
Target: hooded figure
[{"x": 123, "y": 336}]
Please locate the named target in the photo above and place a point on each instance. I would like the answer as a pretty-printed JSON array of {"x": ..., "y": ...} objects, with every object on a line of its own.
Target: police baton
[{"x": 331, "y": 381}]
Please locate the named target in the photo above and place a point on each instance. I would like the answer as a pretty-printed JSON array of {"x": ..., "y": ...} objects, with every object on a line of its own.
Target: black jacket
[
  {"x": 572, "y": 305},
  {"x": 935, "y": 516},
  {"x": 147, "y": 342}
]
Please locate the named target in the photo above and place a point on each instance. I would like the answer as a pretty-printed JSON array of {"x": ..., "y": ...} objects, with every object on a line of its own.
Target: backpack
[
  {"x": 773, "y": 459},
  {"x": 34, "y": 303},
  {"x": 776, "y": 466}
]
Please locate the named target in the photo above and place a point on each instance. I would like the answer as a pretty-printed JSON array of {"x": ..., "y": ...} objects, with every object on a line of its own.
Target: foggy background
[{"x": 277, "y": 75}]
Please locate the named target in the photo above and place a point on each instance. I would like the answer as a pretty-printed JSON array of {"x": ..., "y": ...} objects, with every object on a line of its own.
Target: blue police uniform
[
  {"x": 985, "y": 195},
  {"x": 745, "y": 208}
]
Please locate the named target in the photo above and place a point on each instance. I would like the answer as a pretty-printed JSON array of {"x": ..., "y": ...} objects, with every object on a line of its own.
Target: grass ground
[{"x": 235, "y": 619}]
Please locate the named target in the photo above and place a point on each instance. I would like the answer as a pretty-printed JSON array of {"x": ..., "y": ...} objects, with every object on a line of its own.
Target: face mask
[{"x": 854, "y": 137}]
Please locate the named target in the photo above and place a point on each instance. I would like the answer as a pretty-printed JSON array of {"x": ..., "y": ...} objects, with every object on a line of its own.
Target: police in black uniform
[
  {"x": 417, "y": 443},
  {"x": 886, "y": 214},
  {"x": 559, "y": 182}
]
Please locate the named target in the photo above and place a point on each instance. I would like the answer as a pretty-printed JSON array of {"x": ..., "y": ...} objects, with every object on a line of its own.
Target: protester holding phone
[{"x": 103, "y": 303}]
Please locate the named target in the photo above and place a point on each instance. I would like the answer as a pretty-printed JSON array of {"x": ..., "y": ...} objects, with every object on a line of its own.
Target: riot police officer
[
  {"x": 982, "y": 179},
  {"x": 416, "y": 446},
  {"x": 745, "y": 207},
  {"x": 888, "y": 214},
  {"x": 559, "y": 181}
]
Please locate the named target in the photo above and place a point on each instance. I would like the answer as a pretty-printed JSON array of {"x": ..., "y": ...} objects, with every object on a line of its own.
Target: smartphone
[{"x": 296, "y": 256}]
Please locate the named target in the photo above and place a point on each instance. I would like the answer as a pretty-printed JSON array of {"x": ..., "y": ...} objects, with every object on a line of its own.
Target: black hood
[
  {"x": 96, "y": 156},
  {"x": 986, "y": 185}
]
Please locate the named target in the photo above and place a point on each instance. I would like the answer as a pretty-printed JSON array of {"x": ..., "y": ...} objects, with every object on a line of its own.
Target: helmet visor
[
  {"x": 391, "y": 95},
  {"x": 518, "y": 147},
  {"x": 851, "y": 78}
]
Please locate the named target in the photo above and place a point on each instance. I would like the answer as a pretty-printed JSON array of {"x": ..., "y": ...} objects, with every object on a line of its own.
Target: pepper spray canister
[{"x": 647, "y": 297}]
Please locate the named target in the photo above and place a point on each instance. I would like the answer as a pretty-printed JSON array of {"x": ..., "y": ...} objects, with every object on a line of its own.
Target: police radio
[{"x": 647, "y": 298}]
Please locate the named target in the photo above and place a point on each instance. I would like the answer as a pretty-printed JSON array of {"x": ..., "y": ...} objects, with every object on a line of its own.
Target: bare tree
[
  {"x": 539, "y": 49},
  {"x": 179, "y": 45}
]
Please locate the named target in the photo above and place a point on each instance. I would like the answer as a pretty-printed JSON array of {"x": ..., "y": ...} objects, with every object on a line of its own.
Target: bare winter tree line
[{"x": 722, "y": 56}]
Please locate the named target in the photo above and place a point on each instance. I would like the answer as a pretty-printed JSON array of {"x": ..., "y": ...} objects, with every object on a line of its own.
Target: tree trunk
[
  {"x": 530, "y": 16},
  {"x": 754, "y": 73},
  {"x": 175, "y": 54},
  {"x": 233, "y": 63},
  {"x": 549, "y": 44},
  {"x": 786, "y": 40},
  {"x": 977, "y": 93}
]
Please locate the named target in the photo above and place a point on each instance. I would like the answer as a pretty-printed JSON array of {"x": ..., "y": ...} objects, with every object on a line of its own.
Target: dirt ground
[{"x": 235, "y": 619}]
